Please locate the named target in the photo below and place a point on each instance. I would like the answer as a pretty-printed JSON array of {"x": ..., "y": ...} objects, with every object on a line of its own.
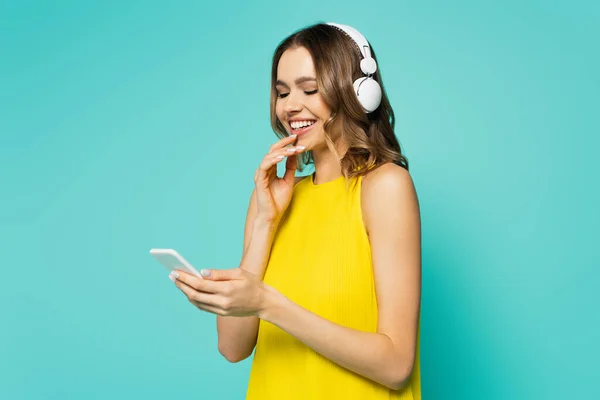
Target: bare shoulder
[
  {"x": 387, "y": 190},
  {"x": 389, "y": 175}
]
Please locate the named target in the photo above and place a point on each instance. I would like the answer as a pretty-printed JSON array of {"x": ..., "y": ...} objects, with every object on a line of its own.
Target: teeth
[{"x": 300, "y": 124}]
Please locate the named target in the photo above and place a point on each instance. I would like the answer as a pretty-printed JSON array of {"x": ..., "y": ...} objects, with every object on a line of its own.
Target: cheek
[
  {"x": 279, "y": 109},
  {"x": 322, "y": 109},
  {"x": 318, "y": 107}
]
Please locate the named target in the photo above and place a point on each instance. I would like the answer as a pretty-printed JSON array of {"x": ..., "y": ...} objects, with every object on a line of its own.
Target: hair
[{"x": 370, "y": 137}]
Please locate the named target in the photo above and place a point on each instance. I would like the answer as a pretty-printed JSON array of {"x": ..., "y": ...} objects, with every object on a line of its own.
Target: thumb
[
  {"x": 220, "y": 274},
  {"x": 290, "y": 169}
]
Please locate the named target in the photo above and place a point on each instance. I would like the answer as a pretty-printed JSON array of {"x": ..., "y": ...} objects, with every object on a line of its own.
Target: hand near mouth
[{"x": 273, "y": 194}]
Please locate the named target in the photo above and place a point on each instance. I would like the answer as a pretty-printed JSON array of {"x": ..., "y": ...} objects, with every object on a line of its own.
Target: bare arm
[
  {"x": 238, "y": 335},
  {"x": 392, "y": 219}
]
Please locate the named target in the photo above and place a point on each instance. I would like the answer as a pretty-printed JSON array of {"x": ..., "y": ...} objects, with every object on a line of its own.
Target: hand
[
  {"x": 232, "y": 292},
  {"x": 273, "y": 194}
]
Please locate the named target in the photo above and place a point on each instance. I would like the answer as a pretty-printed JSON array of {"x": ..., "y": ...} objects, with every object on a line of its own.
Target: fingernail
[
  {"x": 281, "y": 157},
  {"x": 294, "y": 135},
  {"x": 300, "y": 147},
  {"x": 204, "y": 272},
  {"x": 290, "y": 150},
  {"x": 171, "y": 278},
  {"x": 174, "y": 274}
]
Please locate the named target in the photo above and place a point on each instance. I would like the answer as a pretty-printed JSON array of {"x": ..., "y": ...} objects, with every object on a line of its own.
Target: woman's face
[{"x": 300, "y": 107}]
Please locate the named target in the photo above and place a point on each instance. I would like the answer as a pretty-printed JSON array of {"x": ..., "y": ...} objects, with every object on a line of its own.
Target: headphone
[{"x": 366, "y": 88}]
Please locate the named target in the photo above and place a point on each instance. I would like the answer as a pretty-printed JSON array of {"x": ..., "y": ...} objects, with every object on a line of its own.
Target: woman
[{"x": 329, "y": 286}]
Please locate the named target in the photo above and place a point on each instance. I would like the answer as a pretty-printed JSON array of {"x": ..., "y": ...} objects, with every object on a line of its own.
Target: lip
[{"x": 303, "y": 130}]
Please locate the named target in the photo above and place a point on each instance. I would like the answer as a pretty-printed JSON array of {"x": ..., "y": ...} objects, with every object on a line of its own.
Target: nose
[{"x": 292, "y": 103}]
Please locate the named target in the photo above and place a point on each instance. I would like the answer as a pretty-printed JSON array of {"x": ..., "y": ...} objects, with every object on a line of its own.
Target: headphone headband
[{"x": 357, "y": 37}]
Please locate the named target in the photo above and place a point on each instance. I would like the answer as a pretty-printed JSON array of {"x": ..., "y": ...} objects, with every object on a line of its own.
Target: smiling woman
[
  {"x": 325, "y": 59},
  {"x": 328, "y": 291},
  {"x": 301, "y": 93}
]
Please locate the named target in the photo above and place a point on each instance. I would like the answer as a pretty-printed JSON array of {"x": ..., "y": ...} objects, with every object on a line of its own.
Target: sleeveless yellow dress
[{"x": 321, "y": 259}]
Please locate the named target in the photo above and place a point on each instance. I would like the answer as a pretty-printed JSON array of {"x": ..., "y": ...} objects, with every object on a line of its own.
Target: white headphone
[{"x": 366, "y": 88}]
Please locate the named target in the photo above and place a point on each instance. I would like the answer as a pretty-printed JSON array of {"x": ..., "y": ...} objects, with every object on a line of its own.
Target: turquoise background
[{"x": 131, "y": 125}]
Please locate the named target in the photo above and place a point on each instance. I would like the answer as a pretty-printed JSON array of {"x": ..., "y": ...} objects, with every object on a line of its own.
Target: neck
[{"x": 327, "y": 165}]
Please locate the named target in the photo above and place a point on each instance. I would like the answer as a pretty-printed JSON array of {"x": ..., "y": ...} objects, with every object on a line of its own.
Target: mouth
[{"x": 300, "y": 127}]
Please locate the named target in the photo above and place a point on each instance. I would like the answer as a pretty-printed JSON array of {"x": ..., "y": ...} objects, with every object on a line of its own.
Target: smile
[{"x": 300, "y": 127}]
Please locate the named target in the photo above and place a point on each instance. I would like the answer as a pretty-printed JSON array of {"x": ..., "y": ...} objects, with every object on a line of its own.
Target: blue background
[{"x": 131, "y": 125}]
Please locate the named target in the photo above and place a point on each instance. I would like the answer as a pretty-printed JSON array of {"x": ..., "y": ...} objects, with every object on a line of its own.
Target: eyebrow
[{"x": 298, "y": 81}]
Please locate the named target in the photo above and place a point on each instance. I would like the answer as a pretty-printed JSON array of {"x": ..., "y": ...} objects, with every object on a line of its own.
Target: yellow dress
[{"x": 321, "y": 259}]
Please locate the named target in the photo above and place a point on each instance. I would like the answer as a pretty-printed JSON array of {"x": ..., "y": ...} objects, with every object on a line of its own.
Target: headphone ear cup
[
  {"x": 368, "y": 92},
  {"x": 368, "y": 65}
]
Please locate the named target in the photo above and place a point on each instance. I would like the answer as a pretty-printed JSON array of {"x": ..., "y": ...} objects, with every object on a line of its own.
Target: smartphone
[{"x": 173, "y": 260}]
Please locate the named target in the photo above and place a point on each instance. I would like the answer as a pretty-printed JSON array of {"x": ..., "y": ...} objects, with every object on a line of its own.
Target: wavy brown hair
[{"x": 370, "y": 137}]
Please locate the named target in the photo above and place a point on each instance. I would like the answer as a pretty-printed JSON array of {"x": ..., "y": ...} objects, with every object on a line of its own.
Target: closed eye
[{"x": 283, "y": 95}]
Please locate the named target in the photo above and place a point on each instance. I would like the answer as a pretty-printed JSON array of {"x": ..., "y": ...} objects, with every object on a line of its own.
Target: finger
[
  {"x": 194, "y": 282},
  {"x": 208, "y": 308},
  {"x": 223, "y": 274},
  {"x": 213, "y": 301},
  {"x": 290, "y": 170},
  {"x": 208, "y": 302},
  {"x": 282, "y": 143},
  {"x": 277, "y": 156},
  {"x": 265, "y": 167},
  {"x": 286, "y": 151},
  {"x": 269, "y": 161},
  {"x": 185, "y": 288}
]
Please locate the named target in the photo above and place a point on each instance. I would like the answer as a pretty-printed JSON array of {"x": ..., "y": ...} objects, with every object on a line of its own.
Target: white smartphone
[{"x": 173, "y": 260}]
